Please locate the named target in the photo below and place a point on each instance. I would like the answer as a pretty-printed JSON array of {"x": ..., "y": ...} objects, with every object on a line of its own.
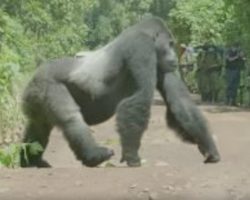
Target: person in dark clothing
[{"x": 235, "y": 62}]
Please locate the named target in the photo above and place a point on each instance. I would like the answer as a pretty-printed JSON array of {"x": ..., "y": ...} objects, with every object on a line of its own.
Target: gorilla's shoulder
[
  {"x": 59, "y": 62},
  {"x": 62, "y": 60}
]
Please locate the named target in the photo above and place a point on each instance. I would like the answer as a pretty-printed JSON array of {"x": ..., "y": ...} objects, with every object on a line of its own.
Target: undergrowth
[{"x": 10, "y": 154}]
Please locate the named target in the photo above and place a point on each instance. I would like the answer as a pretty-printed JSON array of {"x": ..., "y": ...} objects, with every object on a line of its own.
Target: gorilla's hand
[
  {"x": 97, "y": 156},
  {"x": 210, "y": 157}
]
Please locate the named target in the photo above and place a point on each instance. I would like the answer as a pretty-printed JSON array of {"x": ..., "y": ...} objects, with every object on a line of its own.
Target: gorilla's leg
[
  {"x": 36, "y": 131},
  {"x": 186, "y": 119},
  {"x": 133, "y": 112},
  {"x": 68, "y": 117},
  {"x": 82, "y": 143},
  {"x": 132, "y": 120}
]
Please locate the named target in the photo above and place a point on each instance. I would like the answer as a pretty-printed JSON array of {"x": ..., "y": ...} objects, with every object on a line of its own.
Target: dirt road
[{"x": 171, "y": 170}]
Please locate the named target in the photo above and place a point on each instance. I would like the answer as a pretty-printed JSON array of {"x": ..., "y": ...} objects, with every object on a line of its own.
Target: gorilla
[{"x": 119, "y": 78}]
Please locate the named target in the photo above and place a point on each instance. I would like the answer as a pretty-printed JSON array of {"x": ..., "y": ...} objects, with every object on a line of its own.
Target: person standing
[
  {"x": 186, "y": 62},
  {"x": 209, "y": 62},
  {"x": 235, "y": 62}
]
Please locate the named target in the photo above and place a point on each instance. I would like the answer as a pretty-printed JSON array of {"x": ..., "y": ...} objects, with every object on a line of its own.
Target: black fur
[
  {"x": 74, "y": 93},
  {"x": 185, "y": 118}
]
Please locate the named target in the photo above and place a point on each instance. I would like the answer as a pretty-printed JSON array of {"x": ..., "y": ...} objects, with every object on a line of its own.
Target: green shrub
[{"x": 10, "y": 155}]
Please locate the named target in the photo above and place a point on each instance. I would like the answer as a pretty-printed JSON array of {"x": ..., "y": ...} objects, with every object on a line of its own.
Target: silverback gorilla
[{"x": 74, "y": 93}]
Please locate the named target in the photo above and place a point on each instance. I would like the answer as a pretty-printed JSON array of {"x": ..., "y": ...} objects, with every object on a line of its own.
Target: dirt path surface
[{"x": 171, "y": 169}]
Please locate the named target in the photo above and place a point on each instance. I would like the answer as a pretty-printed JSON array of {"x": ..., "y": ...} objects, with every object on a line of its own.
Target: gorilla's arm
[{"x": 185, "y": 118}]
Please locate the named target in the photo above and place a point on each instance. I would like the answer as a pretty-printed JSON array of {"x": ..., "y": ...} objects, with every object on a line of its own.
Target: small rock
[
  {"x": 143, "y": 161},
  {"x": 133, "y": 186},
  {"x": 205, "y": 185},
  {"x": 44, "y": 186},
  {"x": 110, "y": 164},
  {"x": 168, "y": 187},
  {"x": 153, "y": 196},
  {"x": 146, "y": 190},
  {"x": 50, "y": 174}
]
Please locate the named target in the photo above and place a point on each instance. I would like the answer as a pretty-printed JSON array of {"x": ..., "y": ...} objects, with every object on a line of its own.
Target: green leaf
[{"x": 35, "y": 148}]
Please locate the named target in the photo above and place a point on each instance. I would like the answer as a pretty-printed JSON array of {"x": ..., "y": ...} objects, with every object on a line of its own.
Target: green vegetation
[
  {"x": 10, "y": 155},
  {"x": 34, "y": 30}
]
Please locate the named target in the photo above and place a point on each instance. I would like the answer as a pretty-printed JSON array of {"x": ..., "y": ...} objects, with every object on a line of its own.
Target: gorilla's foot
[
  {"x": 131, "y": 160},
  {"x": 96, "y": 156},
  {"x": 38, "y": 163}
]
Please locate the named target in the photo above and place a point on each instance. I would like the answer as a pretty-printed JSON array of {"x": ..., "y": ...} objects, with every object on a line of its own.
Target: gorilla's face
[{"x": 166, "y": 56}]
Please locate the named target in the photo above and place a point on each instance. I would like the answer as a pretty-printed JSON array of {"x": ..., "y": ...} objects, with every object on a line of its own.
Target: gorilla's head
[
  {"x": 165, "y": 49},
  {"x": 164, "y": 42},
  {"x": 155, "y": 27}
]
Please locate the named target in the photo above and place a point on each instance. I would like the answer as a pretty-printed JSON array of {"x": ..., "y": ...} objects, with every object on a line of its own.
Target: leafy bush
[{"x": 10, "y": 155}]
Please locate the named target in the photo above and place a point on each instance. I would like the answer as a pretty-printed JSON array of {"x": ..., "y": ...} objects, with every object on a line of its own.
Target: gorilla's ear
[{"x": 156, "y": 36}]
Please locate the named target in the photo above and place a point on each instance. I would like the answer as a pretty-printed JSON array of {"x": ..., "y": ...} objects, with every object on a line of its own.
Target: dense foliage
[
  {"x": 199, "y": 20},
  {"x": 10, "y": 155},
  {"x": 34, "y": 30}
]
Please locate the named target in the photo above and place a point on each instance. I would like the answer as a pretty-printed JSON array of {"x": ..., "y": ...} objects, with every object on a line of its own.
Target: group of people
[{"x": 213, "y": 63}]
